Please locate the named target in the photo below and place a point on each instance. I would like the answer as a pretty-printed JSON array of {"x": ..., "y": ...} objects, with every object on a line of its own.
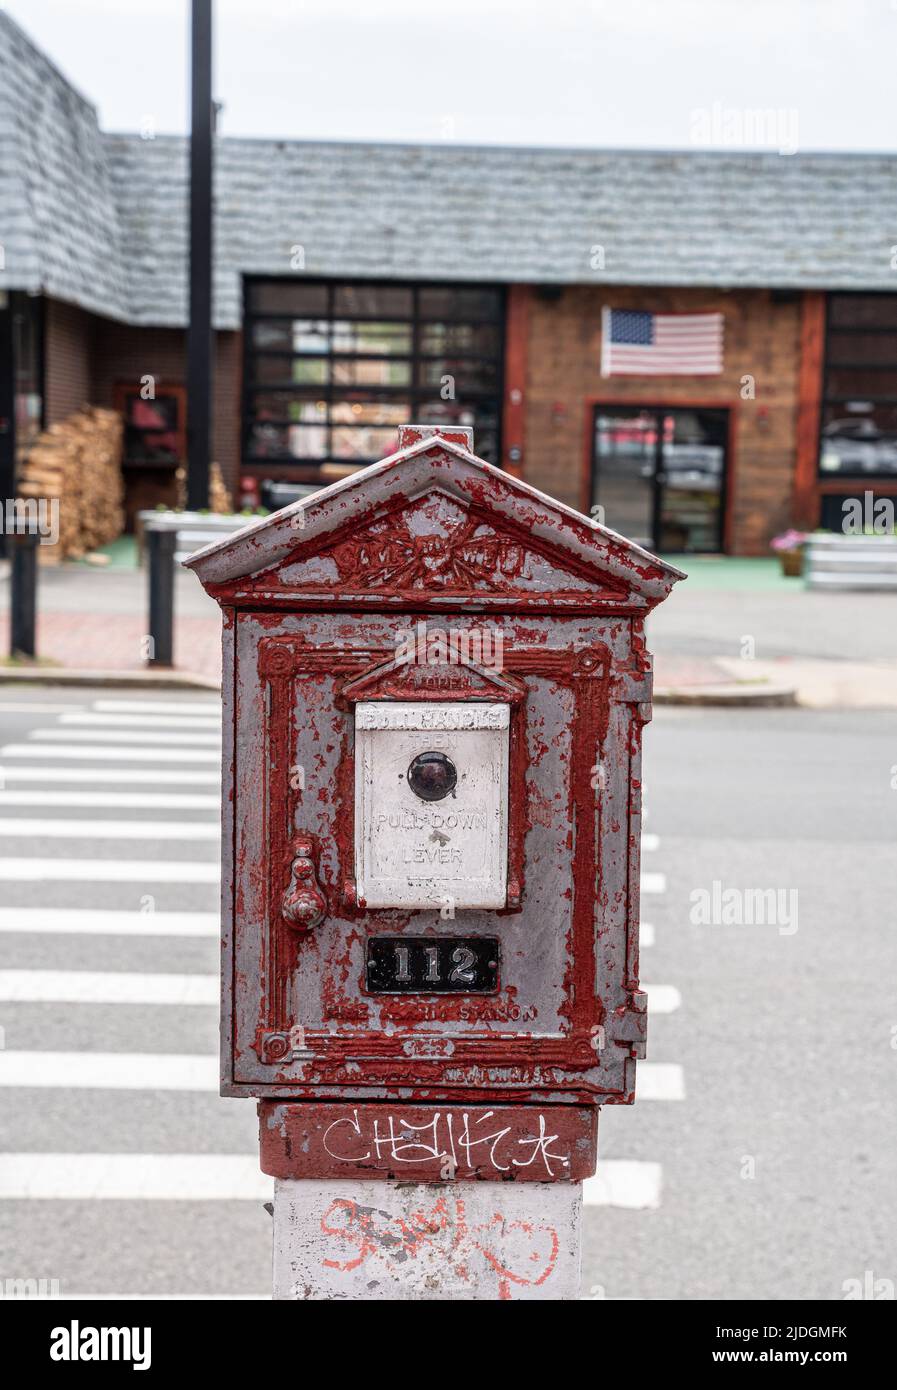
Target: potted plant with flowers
[{"x": 789, "y": 547}]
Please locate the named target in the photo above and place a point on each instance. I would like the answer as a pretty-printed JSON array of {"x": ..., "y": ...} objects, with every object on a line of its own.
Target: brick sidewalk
[{"x": 114, "y": 642}]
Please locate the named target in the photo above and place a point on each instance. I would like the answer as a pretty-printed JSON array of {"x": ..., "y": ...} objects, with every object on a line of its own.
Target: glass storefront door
[{"x": 659, "y": 473}]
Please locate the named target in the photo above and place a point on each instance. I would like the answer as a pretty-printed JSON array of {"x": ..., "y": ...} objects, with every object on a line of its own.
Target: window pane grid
[
  {"x": 333, "y": 379},
  {"x": 858, "y": 435}
]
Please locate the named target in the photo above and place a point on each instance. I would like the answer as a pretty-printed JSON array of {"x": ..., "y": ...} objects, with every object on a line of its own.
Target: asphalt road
[{"x": 772, "y": 1178}]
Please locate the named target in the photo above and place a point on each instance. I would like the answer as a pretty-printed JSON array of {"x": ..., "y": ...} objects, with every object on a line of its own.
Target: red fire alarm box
[{"x": 435, "y": 682}]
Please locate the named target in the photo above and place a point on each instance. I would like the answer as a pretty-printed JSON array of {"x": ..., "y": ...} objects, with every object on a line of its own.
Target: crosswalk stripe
[
  {"x": 121, "y": 801},
  {"x": 149, "y": 1071},
  {"x": 173, "y": 737},
  {"x": 158, "y": 706},
  {"x": 110, "y": 1071},
  {"x": 646, "y": 934},
  {"x": 135, "y": 776},
  {"x": 236, "y": 1177},
  {"x": 654, "y": 883},
  {"x": 133, "y": 1177},
  {"x": 138, "y": 721},
  {"x": 105, "y": 987},
  {"x": 624, "y": 1183},
  {"x": 101, "y": 753},
  {"x": 109, "y": 870},
  {"x": 66, "y": 921},
  {"x": 662, "y": 999},
  {"x": 14, "y": 707},
  {"x": 76, "y": 829},
  {"x": 658, "y": 1081},
  {"x": 650, "y": 843}
]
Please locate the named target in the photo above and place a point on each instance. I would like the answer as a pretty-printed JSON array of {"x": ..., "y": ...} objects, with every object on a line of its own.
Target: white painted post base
[{"x": 342, "y": 1238}]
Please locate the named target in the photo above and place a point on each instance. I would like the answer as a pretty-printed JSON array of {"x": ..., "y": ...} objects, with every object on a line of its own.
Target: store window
[
  {"x": 332, "y": 369},
  {"x": 155, "y": 426},
  {"x": 859, "y": 411},
  {"x": 154, "y": 452}
]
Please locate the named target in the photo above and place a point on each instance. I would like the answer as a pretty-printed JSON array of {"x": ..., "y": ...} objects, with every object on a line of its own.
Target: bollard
[
  {"x": 23, "y": 595},
  {"x": 161, "y": 547}
]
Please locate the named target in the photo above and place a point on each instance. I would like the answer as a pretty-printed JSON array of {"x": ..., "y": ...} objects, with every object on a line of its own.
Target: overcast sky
[{"x": 649, "y": 73}]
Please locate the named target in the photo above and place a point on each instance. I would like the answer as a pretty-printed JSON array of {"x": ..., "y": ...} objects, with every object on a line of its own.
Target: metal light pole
[{"x": 199, "y": 331}]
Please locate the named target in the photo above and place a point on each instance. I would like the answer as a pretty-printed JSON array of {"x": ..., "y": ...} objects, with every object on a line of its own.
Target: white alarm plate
[{"x": 447, "y": 848}]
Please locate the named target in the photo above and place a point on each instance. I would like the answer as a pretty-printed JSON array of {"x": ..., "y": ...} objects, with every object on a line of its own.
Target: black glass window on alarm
[
  {"x": 432, "y": 776},
  {"x": 332, "y": 369}
]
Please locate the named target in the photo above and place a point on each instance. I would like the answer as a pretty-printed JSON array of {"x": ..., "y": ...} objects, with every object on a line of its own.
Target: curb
[
  {"x": 139, "y": 680},
  {"x": 763, "y": 695}
]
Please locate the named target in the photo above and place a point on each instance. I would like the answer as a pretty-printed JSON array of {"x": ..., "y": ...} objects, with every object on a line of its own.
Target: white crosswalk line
[
  {"x": 135, "y": 776},
  {"x": 138, "y": 721},
  {"x": 195, "y": 707},
  {"x": 110, "y": 1071},
  {"x": 645, "y": 934},
  {"x": 109, "y": 870},
  {"x": 12, "y": 707},
  {"x": 66, "y": 921},
  {"x": 174, "y": 738},
  {"x": 654, "y": 883},
  {"x": 76, "y": 829},
  {"x": 101, "y": 753},
  {"x": 650, "y": 843},
  {"x": 121, "y": 801},
  {"x": 105, "y": 987},
  {"x": 658, "y": 1081},
  {"x": 662, "y": 999},
  {"x": 624, "y": 1183},
  {"x": 133, "y": 1177}
]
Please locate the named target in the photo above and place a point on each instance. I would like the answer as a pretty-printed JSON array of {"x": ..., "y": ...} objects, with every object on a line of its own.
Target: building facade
[{"x": 358, "y": 287}]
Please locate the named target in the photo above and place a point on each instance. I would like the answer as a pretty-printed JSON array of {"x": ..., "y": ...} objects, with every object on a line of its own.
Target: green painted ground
[
  {"x": 122, "y": 554},
  {"x": 733, "y": 572}
]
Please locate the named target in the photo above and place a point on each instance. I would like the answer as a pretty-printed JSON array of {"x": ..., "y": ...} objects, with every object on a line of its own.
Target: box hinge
[
  {"x": 635, "y": 687},
  {"x": 628, "y": 1025}
]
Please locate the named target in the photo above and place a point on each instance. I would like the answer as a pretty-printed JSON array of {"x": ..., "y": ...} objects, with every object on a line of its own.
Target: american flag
[{"x": 636, "y": 343}]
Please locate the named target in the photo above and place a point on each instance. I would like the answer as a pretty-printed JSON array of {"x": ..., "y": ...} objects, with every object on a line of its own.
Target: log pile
[
  {"x": 220, "y": 500},
  {"x": 77, "y": 463}
]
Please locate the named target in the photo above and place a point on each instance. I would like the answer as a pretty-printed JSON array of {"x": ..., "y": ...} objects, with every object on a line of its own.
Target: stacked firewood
[
  {"x": 220, "y": 500},
  {"x": 77, "y": 464}
]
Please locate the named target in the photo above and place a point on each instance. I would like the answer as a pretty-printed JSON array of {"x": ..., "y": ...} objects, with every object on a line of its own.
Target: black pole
[
  {"x": 7, "y": 417},
  {"x": 161, "y": 546},
  {"x": 199, "y": 331},
  {"x": 23, "y": 594}
]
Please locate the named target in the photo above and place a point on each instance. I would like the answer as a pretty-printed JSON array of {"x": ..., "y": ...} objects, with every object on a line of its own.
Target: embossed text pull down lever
[{"x": 303, "y": 904}]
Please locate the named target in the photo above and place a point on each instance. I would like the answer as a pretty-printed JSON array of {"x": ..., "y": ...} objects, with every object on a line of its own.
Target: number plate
[{"x": 429, "y": 965}]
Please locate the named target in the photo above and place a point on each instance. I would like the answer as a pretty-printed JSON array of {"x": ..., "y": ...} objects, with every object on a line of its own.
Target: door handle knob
[{"x": 304, "y": 904}]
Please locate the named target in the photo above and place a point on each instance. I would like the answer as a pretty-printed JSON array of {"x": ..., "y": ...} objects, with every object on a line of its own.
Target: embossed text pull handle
[{"x": 303, "y": 904}]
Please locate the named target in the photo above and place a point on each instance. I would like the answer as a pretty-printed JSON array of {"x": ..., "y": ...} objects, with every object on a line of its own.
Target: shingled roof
[
  {"x": 101, "y": 220},
  {"x": 59, "y": 224}
]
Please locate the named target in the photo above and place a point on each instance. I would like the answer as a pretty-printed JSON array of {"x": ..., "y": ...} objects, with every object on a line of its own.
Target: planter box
[
  {"x": 851, "y": 562},
  {"x": 195, "y": 529}
]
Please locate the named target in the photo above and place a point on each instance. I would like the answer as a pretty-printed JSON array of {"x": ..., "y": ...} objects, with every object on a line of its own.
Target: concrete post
[{"x": 371, "y": 1239}]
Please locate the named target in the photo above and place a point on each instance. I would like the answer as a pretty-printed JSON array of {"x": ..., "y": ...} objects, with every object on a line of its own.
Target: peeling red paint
[{"x": 314, "y": 619}]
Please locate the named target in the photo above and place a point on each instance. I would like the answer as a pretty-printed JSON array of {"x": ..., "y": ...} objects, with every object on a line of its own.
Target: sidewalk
[{"x": 734, "y": 633}]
